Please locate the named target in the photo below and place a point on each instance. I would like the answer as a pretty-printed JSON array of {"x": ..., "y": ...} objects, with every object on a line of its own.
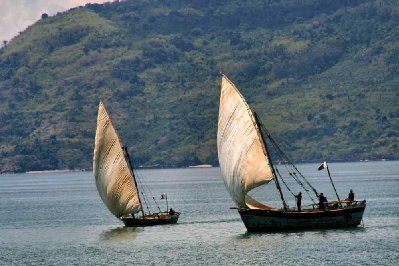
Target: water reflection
[
  {"x": 300, "y": 233},
  {"x": 216, "y": 221},
  {"x": 121, "y": 233},
  {"x": 248, "y": 235},
  {"x": 245, "y": 235}
]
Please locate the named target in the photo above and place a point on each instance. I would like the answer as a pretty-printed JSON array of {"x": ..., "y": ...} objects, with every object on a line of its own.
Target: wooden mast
[
  {"x": 126, "y": 154},
  {"x": 270, "y": 161},
  {"x": 329, "y": 175}
]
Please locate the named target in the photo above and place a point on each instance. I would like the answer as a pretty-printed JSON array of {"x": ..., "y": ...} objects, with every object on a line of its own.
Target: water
[{"x": 59, "y": 219}]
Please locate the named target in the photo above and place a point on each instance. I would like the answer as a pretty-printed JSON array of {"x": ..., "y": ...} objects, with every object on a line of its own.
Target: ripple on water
[{"x": 59, "y": 219}]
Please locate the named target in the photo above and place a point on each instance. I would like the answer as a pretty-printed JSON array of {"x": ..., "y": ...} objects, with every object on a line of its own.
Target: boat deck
[{"x": 151, "y": 219}]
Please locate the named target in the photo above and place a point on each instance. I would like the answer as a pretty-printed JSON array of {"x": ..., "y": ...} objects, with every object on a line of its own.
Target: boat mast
[
  {"x": 262, "y": 137},
  {"x": 329, "y": 175},
  {"x": 126, "y": 154}
]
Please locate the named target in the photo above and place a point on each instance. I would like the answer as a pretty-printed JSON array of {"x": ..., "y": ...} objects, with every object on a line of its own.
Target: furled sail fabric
[
  {"x": 114, "y": 179},
  {"x": 242, "y": 158}
]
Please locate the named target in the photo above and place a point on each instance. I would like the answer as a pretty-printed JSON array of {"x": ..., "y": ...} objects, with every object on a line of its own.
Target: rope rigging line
[
  {"x": 293, "y": 175},
  {"x": 291, "y": 172},
  {"x": 143, "y": 181},
  {"x": 146, "y": 204},
  {"x": 140, "y": 181},
  {"x": 289, "y": 166},
  {"x": 156, "y": 204},
  {"x": 130, "y": 165},
  {"x": 307, "y": 191},
  {"x": 145, "y": 187},
  {"x": 146, "y": 200},
  {"x": 274, "y": 143},
  {"x": 284, "y": 182}
]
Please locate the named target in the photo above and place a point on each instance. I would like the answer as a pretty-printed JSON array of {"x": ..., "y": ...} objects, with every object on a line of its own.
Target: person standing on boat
[
  {"x": 322, "y": 202},
  {"x": 299, "y": 200},
  {"x": 172, "y": 211},
  {"x": 351, "y": 196}
]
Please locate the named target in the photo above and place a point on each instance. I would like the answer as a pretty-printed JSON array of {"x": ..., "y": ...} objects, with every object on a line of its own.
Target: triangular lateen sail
[
  {"x": 114, "y": 179},
  {"x": 242, "y": 157}
]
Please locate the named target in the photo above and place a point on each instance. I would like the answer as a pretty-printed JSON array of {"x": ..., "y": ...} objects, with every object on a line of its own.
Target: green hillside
[{"x": 322, "y": 75}]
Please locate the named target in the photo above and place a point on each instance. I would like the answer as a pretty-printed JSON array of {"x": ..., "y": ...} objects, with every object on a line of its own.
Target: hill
[{"x": 322, "y": 75}]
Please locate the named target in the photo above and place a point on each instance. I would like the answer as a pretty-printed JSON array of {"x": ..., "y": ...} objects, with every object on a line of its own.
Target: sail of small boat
[
  {"x": 115, "y": 180},
  {"x": 244, "y": 150}
]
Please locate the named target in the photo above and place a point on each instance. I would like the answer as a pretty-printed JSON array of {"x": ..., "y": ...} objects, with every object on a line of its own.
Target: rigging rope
[
  {"x": 141, "y": 182},
  {"x": 284, "y": 182},
  {"x": 292, "y": 173},
  {"x": 307, "y": 191},
  {"x": 145, "y": 187},
  {"x": 146, "y": 204},
  {"x": 288, "y": 162},
  {"x": 287, "y": 159},
  {"x": 156, "y": 204}
]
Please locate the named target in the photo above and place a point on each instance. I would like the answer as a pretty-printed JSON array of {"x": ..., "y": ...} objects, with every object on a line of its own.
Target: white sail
[
  {"x": 114, "y": 178},
  {"x": 241, "y": 150}
]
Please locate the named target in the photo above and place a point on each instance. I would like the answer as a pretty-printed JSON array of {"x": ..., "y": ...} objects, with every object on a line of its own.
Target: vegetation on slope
[{"x": 322, "y": 75}]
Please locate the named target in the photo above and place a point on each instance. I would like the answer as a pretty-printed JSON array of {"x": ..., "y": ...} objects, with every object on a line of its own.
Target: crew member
[
  {"x": 322, "y": 202},
  {"x": 351, "y": 196},
  {"x": 299, "y": 200}
]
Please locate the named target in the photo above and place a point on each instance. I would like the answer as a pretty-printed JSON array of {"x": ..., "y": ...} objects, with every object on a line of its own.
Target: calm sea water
[{"x": 59, "y": 219}]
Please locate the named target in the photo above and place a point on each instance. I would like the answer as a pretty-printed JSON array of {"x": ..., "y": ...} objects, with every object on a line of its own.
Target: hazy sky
[{"x": 17, "y": 15}]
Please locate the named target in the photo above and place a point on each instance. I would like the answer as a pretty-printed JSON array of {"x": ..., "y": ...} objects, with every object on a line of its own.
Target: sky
[{"x": 17, "y": 15}]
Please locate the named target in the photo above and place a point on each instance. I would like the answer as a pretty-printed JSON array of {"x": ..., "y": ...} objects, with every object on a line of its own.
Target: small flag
[
  {"x": 322, "y": 166},
  {"x": 163, "y": 195}
]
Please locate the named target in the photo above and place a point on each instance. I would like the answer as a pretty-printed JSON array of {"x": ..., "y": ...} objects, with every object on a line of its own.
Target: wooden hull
[
  {"x": 151, "y": 220},
  {"x": 278, "y": 220}
]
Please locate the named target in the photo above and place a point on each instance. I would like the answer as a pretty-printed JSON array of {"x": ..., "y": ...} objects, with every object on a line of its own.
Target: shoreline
[
  {"x": 53, "y": 171},
  {"x": 201, "y": 166}
]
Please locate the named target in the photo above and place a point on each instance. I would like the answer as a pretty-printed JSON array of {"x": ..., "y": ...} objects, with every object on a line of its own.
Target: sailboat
[
  {"x": 247, "y": 152},
  {"x": 115, "y": 179}
]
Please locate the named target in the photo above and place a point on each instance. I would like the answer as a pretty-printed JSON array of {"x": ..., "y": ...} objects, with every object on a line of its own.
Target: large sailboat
[
  {"x": 115, "y": 179},
  {"x": 245, "y": 151}
]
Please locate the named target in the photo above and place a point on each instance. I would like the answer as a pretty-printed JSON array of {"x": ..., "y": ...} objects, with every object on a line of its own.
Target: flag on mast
[
  {"x": 322, "y": 166},
  {"x": 164, "y": 195}
]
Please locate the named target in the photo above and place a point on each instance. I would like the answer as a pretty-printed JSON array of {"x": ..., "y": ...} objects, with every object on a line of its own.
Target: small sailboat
[
  {"x": 245, "y": 151},
  {"x": 115, "y": 179}
]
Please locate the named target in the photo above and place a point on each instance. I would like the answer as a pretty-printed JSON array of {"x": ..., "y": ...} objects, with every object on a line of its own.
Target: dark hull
[
  {"x": 151, "y": 220},
  {"x": 278, "y": 220}
]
